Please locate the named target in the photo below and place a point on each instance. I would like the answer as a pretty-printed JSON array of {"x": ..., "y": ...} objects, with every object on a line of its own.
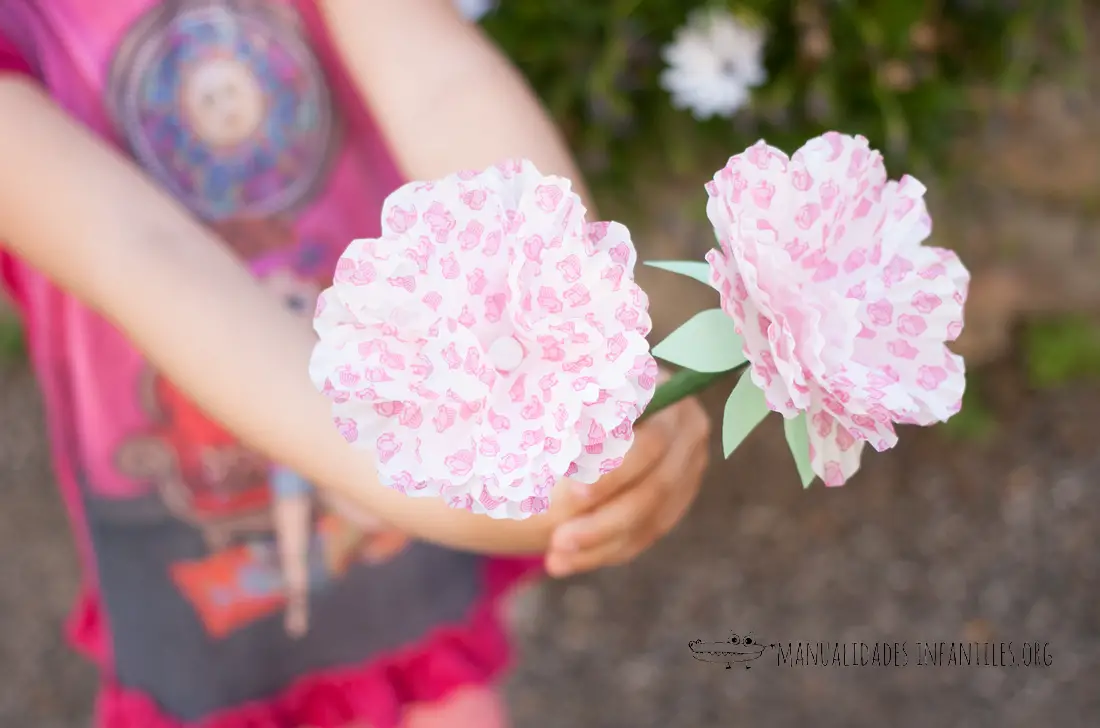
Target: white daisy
[
  {"x": 475, "y": 10},
  {"x": 714, "y": 61}
]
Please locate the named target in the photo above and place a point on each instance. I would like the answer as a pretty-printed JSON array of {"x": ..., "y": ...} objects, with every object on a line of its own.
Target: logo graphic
[
  {"x": 736, "y": 649},
  {"x": 743, "y": 650}
]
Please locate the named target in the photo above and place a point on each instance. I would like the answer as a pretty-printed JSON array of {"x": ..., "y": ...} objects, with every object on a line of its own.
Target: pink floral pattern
[
  {"x": 489, "y": 343},
  {"x": 844, "y": 313}
]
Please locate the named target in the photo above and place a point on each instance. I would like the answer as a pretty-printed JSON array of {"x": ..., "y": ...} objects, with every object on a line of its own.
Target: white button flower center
[
  {"x": 506, "y": 354},
  {"x": 591, "y": 393}
]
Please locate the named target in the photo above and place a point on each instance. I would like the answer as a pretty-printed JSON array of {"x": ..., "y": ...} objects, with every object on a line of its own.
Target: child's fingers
[
  {"x": 610, "y": 534},
  {"x": 610, "y": 553},
  {"x": 688, "y": 474},
  {"x": 632, "y": 518}
]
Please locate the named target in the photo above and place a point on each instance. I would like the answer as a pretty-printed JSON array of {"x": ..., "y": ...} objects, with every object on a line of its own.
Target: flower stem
[{"x": 683, "y": 383}]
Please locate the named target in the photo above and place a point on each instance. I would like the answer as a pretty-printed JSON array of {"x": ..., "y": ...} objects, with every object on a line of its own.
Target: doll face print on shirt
[{"x": 223, "y": 102}]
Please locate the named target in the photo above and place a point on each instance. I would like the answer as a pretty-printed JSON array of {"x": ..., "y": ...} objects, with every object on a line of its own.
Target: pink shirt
[{"x": 241, "y": 110}]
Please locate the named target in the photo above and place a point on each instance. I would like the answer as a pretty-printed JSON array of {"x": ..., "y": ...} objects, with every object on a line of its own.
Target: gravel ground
[
  {"x": 935, "y": 542},
  {"x": 44, "y": 684}
]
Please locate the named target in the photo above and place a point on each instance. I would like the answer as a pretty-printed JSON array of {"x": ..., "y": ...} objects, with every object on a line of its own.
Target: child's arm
[
  {"x": 444, "y": 96},
  {"x": 90, "y": 221}
]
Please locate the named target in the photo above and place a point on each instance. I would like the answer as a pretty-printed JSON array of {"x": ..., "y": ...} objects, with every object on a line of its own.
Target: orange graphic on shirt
[
  {"x": 213, "y": 588},
  {"x": 208, "y": 479},
  {"x": 203, "y": 474},
  {"x": 235, "y": 587}
]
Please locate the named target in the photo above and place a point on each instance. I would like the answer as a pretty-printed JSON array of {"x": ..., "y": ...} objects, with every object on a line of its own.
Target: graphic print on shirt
[{"x": 224, "y": 105}]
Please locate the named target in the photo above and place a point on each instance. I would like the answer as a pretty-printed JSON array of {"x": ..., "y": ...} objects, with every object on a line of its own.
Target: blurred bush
[
  {"x": 896, "y": 71},
  {"x": 1062, "y": 350}
]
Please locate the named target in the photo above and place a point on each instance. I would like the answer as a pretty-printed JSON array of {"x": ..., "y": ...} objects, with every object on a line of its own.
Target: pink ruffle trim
[{"x": 475, "y": 652}]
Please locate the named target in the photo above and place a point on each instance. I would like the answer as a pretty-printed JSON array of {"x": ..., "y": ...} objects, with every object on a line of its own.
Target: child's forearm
[
  {"x": 445, "y": 97},
  {"x": 87, "y": 219}
]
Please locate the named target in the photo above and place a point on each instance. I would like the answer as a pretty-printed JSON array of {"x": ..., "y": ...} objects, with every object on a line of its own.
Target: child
[{"x": 178, "y": 180}]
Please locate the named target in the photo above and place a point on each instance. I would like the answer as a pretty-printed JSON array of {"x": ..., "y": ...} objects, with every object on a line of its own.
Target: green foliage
[
  {"x": 975, "y": 422},
  {"x": 896, "y": 71},
  {"x": 11, "y": 339},
  {"x": 1062, "y": 350},
  {"x": 1056, "y": 351}
]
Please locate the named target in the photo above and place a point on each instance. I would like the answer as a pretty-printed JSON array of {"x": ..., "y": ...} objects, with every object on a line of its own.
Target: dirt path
[{"x": 43, "y": 683}]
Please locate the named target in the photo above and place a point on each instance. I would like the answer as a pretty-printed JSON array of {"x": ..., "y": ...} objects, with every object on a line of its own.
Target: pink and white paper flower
[
  {"x": 489, "y": 343},
  {"x": 844, "y": 314}
]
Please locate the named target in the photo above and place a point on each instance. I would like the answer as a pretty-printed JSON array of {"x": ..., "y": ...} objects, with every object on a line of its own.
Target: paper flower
[
  {"x": 830, "y": 297},
  {"x": 475, "y": 10},
  {"x": 843, "y": 313},
  {"x": 489, "y": 343},
  {"x": 713, "y": 63}
]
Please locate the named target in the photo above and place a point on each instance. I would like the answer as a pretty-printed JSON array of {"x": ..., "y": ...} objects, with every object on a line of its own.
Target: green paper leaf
[
  {"x": 707, "y": 342},
  {"x": 699, "y": 270},
  {"x": 798, "y": 440},
  {"x": 745, "y": 409}
]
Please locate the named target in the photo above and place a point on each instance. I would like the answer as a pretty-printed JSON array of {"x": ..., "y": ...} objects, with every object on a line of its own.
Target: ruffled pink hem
[{"x": 377, "y": 693}]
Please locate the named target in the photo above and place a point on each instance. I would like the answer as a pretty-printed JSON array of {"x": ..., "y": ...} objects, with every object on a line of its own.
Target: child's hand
[{"x": 627, "y": 510}]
